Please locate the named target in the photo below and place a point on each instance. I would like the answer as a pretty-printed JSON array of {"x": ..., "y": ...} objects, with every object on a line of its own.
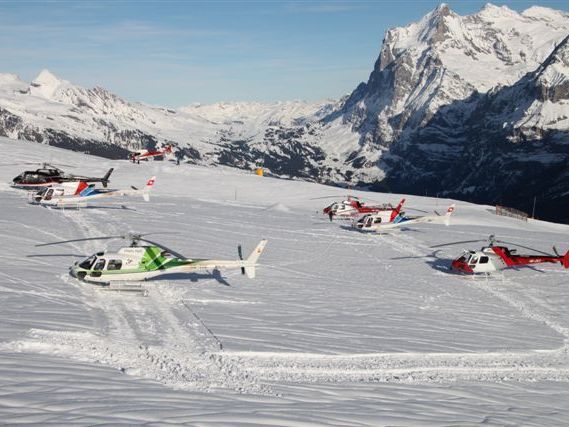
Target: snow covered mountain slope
[
  {"x": 339, "y": 328},
  {"x": 433, "y": 79},
  {"x": 446, "y": 57},
  {"x": 54, "y": 111}
]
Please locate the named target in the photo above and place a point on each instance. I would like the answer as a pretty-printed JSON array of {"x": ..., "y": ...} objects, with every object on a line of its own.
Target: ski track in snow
[
  {"x": 153, "y": 337},
  {"x": 418, "y": 367},
  {"x": 162, "y": 337},
  {"x": 157, "y": 338}
]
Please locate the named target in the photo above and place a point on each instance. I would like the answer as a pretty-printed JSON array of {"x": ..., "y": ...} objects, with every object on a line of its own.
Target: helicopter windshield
[
  {"x": 462, "y": 258},
  {"x": 88, "y": 263}
]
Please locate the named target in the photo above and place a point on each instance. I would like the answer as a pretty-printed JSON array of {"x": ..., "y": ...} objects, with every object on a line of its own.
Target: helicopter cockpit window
[
  {"x": 114, "y": 264},
  {"x": 48, "y": 194},
  {"x": 483, "y": 260},
  {"x": 33, "y": 178},
  {"x": 473, "y": 260},
  {"x": 377, "y": 220},
  {"x": 100, "y": 264},
  {"x": 88, "y": 262}
]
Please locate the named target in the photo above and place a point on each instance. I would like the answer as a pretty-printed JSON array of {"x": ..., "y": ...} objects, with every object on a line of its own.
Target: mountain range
[{"x": 473, "y": 107}]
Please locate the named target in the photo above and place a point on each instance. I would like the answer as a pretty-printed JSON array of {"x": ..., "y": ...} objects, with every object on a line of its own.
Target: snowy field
[{"x": 339, "y": 328}]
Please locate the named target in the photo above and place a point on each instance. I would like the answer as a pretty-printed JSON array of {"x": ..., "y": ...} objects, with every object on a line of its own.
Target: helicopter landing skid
[{"x": 136, "y": 288}]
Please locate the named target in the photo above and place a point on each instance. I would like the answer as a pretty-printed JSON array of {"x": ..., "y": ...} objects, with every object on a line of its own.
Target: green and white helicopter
[{"x": 138, "y": 262}]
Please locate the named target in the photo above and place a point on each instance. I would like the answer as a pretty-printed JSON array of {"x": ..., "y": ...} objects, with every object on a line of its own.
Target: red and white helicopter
[
  {"x": 138, "y": 155},
  {"x": 384, "y": 221},
  {"x": 352, "y": 207},
  {"x": 495, "y": 257},
  {"x": 56, "y": 197}
]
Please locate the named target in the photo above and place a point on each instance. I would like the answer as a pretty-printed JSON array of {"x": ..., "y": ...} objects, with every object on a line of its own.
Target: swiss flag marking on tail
[
  {"x": 150, "y": 182},
  {"x": 450, "y": 209}
]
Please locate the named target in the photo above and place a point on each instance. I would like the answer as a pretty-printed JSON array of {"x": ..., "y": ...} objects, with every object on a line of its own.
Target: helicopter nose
[{"x": 461, "y": 266}]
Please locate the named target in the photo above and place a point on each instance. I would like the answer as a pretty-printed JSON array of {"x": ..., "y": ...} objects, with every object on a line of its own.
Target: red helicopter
[
  {"x": 497, "y": 257},
  {"x": 137, "y": 156},
  {"x": 352, "y": 207}
]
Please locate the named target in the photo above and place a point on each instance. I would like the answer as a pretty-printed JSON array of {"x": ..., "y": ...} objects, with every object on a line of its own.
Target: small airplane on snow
[
  {"x": 137, "y": 156},
  {"x": 352, "y": 207},
  {"x": 494, "y": 257},
  {"x": 385, "y": 221},
  {"x": 142, "y": 262},
  {"x": 56, "y": 196}
]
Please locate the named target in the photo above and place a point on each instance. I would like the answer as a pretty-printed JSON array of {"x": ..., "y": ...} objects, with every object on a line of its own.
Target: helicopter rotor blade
[
  {"x": 525, "y": 247},
  {"x": 413, "y": 209},
  {"x": 61, "y": 242},
  {"x": 334, "y": 197},
  {"x": 458, "y": 243},
  {"x": 161, "y": 246},
  {"x": 55, "y": 255}
]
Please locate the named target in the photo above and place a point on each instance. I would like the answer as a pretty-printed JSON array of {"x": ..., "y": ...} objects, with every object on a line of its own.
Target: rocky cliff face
[{"x": 506, "y": 146}]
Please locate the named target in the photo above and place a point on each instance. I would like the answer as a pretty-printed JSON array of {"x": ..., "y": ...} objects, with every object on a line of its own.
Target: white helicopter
[
  {"x": 142, "y": 262},
  {"x": 383, "y": 222},
  {"x": 59, "y": 197}
]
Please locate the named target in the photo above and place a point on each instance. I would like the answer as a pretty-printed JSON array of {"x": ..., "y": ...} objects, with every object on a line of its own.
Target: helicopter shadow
[
  {"x": 434, "y": 261},
  {"x": 121, "y": 208},
  {"x": 194, "y": 277},
  {"x": 387, "y": 231}
]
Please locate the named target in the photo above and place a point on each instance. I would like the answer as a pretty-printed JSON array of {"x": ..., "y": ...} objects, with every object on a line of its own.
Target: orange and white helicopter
[
  {"x": 495, "y": 257},
  {"x": 352, "y": 207},
  {"x": 382, "y": 221},
  {"x": 57, "y": 197},
  {"x": 138, "y": 155}
]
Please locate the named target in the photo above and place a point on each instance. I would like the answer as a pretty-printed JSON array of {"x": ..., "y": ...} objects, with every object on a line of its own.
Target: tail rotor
[{"x": 240, "y": 253}]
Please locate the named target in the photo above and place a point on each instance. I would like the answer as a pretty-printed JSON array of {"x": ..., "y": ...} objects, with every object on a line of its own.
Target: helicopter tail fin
[
  {"x": 565, "y": 260},
  {"x": 105, "y": 179},
  {"x": 146, "y": 191},
  {"x": 252, "y": 259}
]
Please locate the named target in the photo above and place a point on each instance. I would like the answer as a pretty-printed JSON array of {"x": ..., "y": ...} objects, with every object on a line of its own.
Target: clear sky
[{"x": 174, "y": 53}]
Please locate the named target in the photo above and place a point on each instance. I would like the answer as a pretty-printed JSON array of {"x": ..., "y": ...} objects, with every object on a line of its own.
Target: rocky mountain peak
[{"x": 46, "y": 84}]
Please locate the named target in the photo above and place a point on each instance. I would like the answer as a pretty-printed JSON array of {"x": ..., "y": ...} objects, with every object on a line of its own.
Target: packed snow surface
[{"x": 339, "y": 327}]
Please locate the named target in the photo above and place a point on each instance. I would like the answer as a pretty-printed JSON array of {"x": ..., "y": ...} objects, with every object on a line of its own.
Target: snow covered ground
[{"x": 339, "y": 328}]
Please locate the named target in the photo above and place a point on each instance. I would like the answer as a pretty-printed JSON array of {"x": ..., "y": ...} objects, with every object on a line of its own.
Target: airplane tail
[
  {"x": 146, "y": 191},
  {"x": 105, "y": 179},
  {"x": 450, "y": 211},
  {"x": 251, "y": 261}
]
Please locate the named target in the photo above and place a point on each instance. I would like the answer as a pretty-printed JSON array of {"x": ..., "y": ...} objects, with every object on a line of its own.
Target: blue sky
[{"x": 174, "y": 53}]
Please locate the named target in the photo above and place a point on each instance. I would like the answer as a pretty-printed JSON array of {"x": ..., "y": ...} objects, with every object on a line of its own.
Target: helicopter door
[
  {"x": 48, "y": 194},
  {"x": 99, "y": 265},
  {"x": 369, "y": 222},
  {"x": 484, "y": 265}
]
